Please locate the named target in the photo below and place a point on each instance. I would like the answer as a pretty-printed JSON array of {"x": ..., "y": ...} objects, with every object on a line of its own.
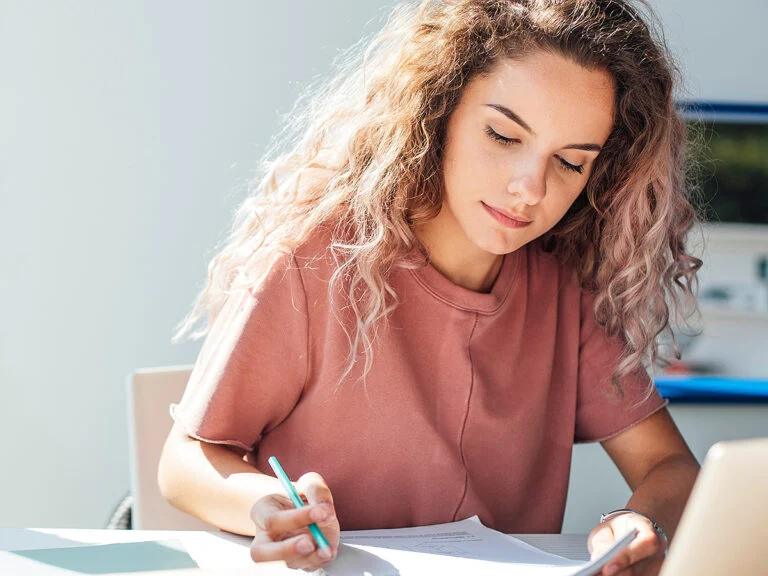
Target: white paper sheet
[{"x": 456, "y": 548}]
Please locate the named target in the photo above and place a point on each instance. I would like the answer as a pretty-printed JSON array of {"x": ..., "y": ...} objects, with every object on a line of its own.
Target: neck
[{"x": 457, "y": 259}]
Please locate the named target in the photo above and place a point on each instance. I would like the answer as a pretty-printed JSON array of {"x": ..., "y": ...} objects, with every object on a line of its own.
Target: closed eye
[
  {"x": 572, "y": 167},
  {"x": 579, "y": 169},
  {"x": 498, "y": 137}
]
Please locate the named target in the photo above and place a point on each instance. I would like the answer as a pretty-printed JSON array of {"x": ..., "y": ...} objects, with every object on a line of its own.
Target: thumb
[
  {"x": 313, "y": 486},
  {"x": 600, "y": 539}
]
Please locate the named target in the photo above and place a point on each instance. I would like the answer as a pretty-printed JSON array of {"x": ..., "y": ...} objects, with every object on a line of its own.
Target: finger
[
  {"x": 643, "y": 546},
  {"x": 289, "y": 550},
  {"x": 314, "y": 487},
  {"x": 330, "y": 525},
  {"x": 280, "y": 523},
  {"x": 600, "y": 539},
  {"x": 317, "y": 559},
  {"x": 646, "y": 566}
]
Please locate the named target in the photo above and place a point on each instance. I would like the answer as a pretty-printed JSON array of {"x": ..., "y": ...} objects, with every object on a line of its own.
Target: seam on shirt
[
  {"x": 425, "y": 285},
  {"x": 625, "y": 428},
  {"x": 306, "y": 313},
  {"x": 466, "y": 416},
  {"x": 188, "y": 431}
]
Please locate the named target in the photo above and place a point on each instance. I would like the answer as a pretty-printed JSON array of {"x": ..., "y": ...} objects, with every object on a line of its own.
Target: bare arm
[
  {"x": 660, "y": 469},
  {"x": 215, "y": 483},
  {"x": 212, "y": 482},
  {"x": 658, "y": 466}
]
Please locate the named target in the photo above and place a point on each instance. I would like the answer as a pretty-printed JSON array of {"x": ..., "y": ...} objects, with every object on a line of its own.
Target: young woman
[{"x": 459, "y": 268}]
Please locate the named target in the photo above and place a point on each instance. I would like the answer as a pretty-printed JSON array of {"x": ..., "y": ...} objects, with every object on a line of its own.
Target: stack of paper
[{"x": 457, "y": 548}]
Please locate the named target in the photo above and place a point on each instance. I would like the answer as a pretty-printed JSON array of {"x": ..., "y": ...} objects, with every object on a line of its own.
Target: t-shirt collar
[{"x": 465, "y": 299}]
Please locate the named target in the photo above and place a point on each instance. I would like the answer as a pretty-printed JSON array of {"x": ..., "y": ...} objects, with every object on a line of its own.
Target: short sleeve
[
  {"x": 253, "y": 364},
  {"x": 602, "y": 410}
]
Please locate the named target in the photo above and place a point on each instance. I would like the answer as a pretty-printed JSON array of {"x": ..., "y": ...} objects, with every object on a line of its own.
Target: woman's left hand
[{"x": 644, "y": 555}]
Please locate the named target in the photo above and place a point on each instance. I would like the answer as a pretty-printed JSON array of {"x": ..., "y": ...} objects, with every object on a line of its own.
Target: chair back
[{"x": 150, "y": 393}]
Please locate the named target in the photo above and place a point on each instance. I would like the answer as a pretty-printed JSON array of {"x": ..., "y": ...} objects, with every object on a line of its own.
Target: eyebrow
[{"x": 523, "y": 124}]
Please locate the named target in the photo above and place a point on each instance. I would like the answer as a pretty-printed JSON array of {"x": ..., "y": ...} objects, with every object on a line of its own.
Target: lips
[{"x": 507, "y": 218}]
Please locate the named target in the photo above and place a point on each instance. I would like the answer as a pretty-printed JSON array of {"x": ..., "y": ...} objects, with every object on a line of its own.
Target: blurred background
[{"x": 129, "y": 131}]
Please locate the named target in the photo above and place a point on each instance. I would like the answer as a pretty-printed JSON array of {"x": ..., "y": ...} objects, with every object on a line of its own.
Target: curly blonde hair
[{"x": 363, "y": 152}]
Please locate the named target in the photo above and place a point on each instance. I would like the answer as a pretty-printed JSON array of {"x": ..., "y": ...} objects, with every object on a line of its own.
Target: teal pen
[{"x": 297, "y": 501}]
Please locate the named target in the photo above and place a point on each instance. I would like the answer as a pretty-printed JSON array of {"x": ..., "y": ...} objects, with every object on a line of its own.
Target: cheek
[
  {"x": 568, "y": 199},
  {"x": 470, "y": 176},
  {"x": 466, "y": 160},
  {"x": 563, "y": 190},
  {"x": 560, "y": 198},
  {"x": 561, "y": 211}
]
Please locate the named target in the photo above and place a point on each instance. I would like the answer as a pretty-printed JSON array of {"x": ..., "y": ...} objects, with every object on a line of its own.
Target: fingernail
[
  {"x": 324, "y": 553},
  {"x": 611, "y": 569},
  {"x": 318, "y": 514},
  {"x": 305, "y": 546}
]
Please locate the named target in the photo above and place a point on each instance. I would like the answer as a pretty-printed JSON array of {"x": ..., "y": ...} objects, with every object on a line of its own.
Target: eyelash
[{"x": 501, "y": 139}]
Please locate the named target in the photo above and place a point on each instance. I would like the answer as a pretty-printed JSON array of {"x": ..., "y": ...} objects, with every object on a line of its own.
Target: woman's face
[{"x": 519, "y": 149}]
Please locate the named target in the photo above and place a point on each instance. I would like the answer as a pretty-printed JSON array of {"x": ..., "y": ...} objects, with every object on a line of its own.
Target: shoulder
[
  {"x": 274, "y": 269},
  {"x": 314, "y": 257}
]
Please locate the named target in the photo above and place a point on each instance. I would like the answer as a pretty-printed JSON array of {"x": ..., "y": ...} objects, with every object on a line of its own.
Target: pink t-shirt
[{"x": 472, "y": 404}]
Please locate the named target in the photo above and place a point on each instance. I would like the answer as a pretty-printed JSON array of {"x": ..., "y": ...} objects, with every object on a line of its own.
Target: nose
[{"x": 528, "y": 181}]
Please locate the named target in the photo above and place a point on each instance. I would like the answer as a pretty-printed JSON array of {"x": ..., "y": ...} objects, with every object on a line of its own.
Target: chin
[{"x": 497, "y": 246}]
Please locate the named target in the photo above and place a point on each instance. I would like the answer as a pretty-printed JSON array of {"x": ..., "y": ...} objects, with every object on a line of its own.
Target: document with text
[{"x": 456, "y": 548}]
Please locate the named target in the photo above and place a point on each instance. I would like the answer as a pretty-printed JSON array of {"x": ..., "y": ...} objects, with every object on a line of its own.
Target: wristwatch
[{"x": 659, "y": 531}]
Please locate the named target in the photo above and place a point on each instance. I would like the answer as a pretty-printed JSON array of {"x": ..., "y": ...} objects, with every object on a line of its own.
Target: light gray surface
[{"x": 573, "y": 546}]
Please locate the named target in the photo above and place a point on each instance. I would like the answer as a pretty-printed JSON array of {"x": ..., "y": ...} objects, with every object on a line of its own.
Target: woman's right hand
[{"x": 282, "y": 531}]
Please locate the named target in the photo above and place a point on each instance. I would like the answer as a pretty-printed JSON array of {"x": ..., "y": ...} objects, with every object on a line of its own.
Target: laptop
[{"x": 724, "y": 527}]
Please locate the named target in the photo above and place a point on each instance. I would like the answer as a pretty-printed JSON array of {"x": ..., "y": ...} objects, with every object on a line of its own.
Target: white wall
[
  {"x": 127, "y": 133},
  {"x": 128, "y": 130},
  {"x": 722, "y": 46}
]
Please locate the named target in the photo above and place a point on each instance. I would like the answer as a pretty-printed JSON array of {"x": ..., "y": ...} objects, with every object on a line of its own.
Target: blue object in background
[{"x": 712, "y": 389}]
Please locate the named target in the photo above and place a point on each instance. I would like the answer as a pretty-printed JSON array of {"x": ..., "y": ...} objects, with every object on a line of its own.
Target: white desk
[{"x": 219, "y": 553}]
